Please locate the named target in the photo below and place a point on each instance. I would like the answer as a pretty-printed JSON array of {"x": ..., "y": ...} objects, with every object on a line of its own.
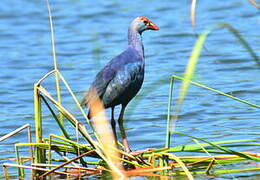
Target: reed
[
  {"x": 55, "y": 64},
  {"x": 188, "y": 74},
  {"x": 194, "y": 5}
]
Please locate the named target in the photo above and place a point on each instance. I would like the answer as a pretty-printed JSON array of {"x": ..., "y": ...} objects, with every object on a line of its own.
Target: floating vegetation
[{"x": 91, "y": 150}]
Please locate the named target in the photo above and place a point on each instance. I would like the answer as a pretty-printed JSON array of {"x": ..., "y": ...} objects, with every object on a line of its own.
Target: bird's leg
[
  {"x": 113, "y": 123},
  {"x": 122, "y": 129}
]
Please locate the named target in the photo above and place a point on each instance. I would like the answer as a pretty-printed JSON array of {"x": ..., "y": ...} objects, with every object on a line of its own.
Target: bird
[{"x": 122, "y": 77}]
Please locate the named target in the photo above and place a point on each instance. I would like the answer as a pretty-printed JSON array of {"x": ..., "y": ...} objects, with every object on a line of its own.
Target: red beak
[{"x": 152, "y": 26}]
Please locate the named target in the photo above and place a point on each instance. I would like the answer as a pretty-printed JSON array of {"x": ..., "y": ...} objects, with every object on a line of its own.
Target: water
[{"x": 89, "y": 34}]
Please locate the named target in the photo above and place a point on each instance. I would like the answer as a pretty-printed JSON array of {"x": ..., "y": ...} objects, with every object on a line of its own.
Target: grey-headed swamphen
[{"x": 121, "y": 79}]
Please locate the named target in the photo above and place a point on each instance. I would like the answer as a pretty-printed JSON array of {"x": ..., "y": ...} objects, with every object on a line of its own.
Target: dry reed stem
[
  {"x": 148, "y": 171},
  {"x": 75, "y": 100},
  {"x": 109, "y": 156},
  {"x": 193, "y": 10},
  {"x": 67, "y": 159},
  {"x": 14, "y": 132},
  {"x": 31, "y": 167},
  {"x": 107, "y": 140},
  {"x": 193, "y": 13},
  {"x": 69, "y": 167},
  {"x": 44, "y": 77},
  {"x": 182, "y": 165},
  {"x": 57, "y": 79},
  {"x": 213, "y": 160},
  {"x": 66, "y": 113},
  {"x": 254, "y": 3},
  {"x": 65, "y": 163},
  {"x": 82, "y": 129},
  {"x": 26, "y": 126}
]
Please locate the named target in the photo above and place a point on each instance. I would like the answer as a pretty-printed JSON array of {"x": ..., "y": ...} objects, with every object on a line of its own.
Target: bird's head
[{"x": 142, "y": 24}]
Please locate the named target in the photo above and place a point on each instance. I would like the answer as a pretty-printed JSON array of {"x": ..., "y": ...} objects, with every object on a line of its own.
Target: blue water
[{"x": 89, "y": 34}]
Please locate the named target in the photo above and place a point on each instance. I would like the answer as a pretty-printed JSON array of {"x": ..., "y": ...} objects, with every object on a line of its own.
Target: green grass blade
[
  {"x": 57, "y": 79},
  {"x": 242, "y": 41},
  {"x": 229, "y": 151},
  {"x": 76, "y": 101},
  {"x": 168, "y": 129},
  {"x": 69, "y": 116},
  {"x": 182, "y": 165},
  {"x": 219, "y": 92},
  {"x": 56, "y": 118},
  {"x": 191, "y": 66},
  {"x": 227, "y": 171},
  {"x": 39, "y": 153},
  {"x": 197, "y": 148}
]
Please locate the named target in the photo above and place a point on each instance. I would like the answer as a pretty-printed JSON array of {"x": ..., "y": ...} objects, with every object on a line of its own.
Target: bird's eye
[{"x": 145, "y": 22}]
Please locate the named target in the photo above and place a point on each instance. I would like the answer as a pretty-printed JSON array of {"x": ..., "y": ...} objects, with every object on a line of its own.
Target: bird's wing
[
  {"x": 129, "y": 79},
  {"x": 99, "y": 85},
  {"x": 129, "y": 68},
  {"x": 115, "y": 74}
]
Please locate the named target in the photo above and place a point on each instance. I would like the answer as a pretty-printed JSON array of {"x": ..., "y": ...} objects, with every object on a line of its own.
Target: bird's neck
[{"x": 135, "y": 40}]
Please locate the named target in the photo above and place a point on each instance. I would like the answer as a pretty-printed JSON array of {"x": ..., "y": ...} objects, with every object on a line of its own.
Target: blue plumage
[{"x": 121, "y": 79}]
